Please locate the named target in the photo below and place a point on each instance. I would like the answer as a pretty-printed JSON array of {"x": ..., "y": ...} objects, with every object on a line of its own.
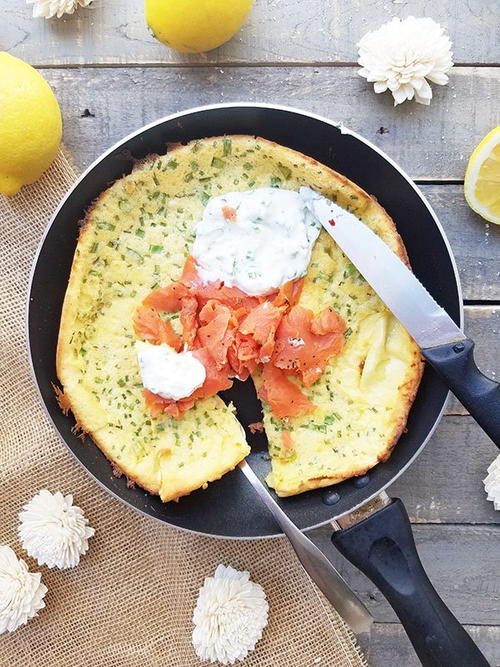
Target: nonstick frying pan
[{"x": 380, "y": 544}]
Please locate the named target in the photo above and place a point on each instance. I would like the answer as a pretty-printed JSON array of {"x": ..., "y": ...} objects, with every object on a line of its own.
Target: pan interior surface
[{"x": 229, "y": 507}]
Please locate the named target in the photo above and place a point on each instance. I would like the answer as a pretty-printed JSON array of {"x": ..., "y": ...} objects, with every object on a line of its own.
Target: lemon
[
  {"x": 30, "y": 124},
  {"x": 193, "y": 26},
  {"x": 482, "y": 178}
]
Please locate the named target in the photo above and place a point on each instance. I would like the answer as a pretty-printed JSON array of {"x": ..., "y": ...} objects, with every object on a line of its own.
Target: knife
[
  {"x": 442, "y": 342},
  {"x": 329, "y": 581}
]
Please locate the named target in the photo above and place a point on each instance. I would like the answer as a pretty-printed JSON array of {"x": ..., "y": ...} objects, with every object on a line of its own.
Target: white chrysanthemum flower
[
  {"x": 21, "y": 591},
  {"x": 230, "y": 614},
  {"x": 492, "y": 483},
  {"x": 403, "y": 55},
  {"x": 49, "y": 8},
  {"x": 53, "y": 530}
]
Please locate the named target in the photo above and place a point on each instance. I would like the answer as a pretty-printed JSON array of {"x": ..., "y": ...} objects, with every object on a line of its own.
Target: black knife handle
[
  {"x": 455, "y": 364},
  {"x": 382, "y": 547}
]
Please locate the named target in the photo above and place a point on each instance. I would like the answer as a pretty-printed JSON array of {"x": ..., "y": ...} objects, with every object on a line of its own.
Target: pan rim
[{"x": 228, "y": 106}]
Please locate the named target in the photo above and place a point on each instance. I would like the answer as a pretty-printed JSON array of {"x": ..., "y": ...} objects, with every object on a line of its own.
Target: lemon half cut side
[{"x": 482, "y": 178}]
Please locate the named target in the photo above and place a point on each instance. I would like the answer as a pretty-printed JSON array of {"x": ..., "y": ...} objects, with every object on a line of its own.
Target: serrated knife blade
[{"x": 428, "y": 323}]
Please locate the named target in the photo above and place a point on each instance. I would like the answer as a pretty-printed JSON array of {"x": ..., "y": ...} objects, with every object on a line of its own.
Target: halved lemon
[{"x": 482, "y": 178}]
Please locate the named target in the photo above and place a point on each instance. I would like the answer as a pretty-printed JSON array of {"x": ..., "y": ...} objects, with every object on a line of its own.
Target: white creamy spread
[
  {"x": 255, "y": 240},
  {"x": 168, "y": 373}
]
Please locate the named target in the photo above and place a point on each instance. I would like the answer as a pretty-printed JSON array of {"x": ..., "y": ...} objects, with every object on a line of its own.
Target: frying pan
[{"x": 380, "y": 543}]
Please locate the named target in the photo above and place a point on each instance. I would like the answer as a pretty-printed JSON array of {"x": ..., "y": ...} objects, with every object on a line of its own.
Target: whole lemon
[
  {"x": 193, "y": 26},
  {"x": 30, "y": 124}
]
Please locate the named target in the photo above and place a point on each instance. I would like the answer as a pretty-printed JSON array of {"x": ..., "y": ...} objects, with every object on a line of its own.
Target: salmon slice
[
  {"x": 261, "y": 323},
  {"x": 242, "y": 355},
  {"x": 216, "y": 333},
  {"x": 167, "y": 299},
  {"x": 301, "y": 351},
  {"x": 289, "y": 293},
  {"x": 148, "y": 325},
  {"x": 328, "y": 321},
  {"x": 189, "y": 319},
  {"x": 283, "y": 396}
]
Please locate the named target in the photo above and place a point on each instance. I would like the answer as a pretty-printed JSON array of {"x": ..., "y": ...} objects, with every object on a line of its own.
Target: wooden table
[{"x": 111, "y": 77}]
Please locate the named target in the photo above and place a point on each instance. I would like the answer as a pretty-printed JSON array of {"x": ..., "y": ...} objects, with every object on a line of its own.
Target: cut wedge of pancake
[{"x": 135, "y": 238}]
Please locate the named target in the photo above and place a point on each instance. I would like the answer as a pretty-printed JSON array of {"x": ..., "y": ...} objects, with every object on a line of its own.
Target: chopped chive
[
  {"x": 188, "y": 177},
  {"x": 286, "y": 171},
  {"x": 155, "y": 179},
  {"x": 172, "y": 164},
  {"x": 247, "y": 166},
  {"x": 124, "y": 205},
  {"x": 204, "y": 197},
  {"x": 135, "y": 255},
  {"x": 217, "y": 163},
  {"x": 227, "y": 145},
  {"x": 121, "y": 382},
  {"x": 140, "y": 233},
  {"x": 275, "y": 182},
  {"x": 105, "y": 225},
  {"x": 94, "y": 246}
]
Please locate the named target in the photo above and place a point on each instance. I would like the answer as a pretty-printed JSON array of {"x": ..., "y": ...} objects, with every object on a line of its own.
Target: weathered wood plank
[
  {"x": 475, "y": 244},
  {"x": 461, "y": 561},
  {"x": 390, "y": 646},
  {"x": 444, "y": 485},
  {"x": 430, "y": 143},
  {"x": 114, "y": 31},
  {"x": 482, "y": 324}
]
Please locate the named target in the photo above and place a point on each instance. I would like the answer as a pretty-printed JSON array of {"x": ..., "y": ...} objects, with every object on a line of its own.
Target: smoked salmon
[
  {"x": 233, "y": 333},
  {"x": 301, "y": 351}
]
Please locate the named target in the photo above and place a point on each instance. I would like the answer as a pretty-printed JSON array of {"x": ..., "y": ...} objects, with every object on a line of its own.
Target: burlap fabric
[{"x": 130, "y": 600}]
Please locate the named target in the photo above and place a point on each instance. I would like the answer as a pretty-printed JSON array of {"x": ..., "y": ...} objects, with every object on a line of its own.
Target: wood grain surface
[
  {"x": 111, "y": 77},
  {"x": 277, "y": 31},
  {"x": 429, "y": 143}
]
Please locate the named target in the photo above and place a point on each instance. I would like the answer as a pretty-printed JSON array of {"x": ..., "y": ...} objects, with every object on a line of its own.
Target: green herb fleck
[
  {"x": 105, "y": 225},
  {"x": 135, "y": 255},
  {"x": 227, "y": 145},
  {"x": 286, "y": 171},
  {"x": 124, "y": 205},
  {"x": 217, "y": 163}
]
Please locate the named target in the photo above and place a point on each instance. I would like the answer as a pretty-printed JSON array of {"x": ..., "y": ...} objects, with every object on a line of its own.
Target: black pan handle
[
  {"x": 480, "y": 395},
  {"x": 382, "y": 547}
]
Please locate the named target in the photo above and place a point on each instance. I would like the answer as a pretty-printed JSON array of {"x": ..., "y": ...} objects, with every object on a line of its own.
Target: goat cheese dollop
[
  {"x": 255, "y": 240},
  {"x": 168, "y": 373}
]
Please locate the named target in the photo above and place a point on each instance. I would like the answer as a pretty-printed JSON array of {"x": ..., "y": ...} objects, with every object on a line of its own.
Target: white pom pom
[
  {"x": 403, "y": 55},
  {"x": 492, "y": 483},
  {"x": 21, "y": 591},
  {"x": 230, "y": 614},
  {"x": 53, "y": 530},
  {"x": 49, "y": 8}
]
